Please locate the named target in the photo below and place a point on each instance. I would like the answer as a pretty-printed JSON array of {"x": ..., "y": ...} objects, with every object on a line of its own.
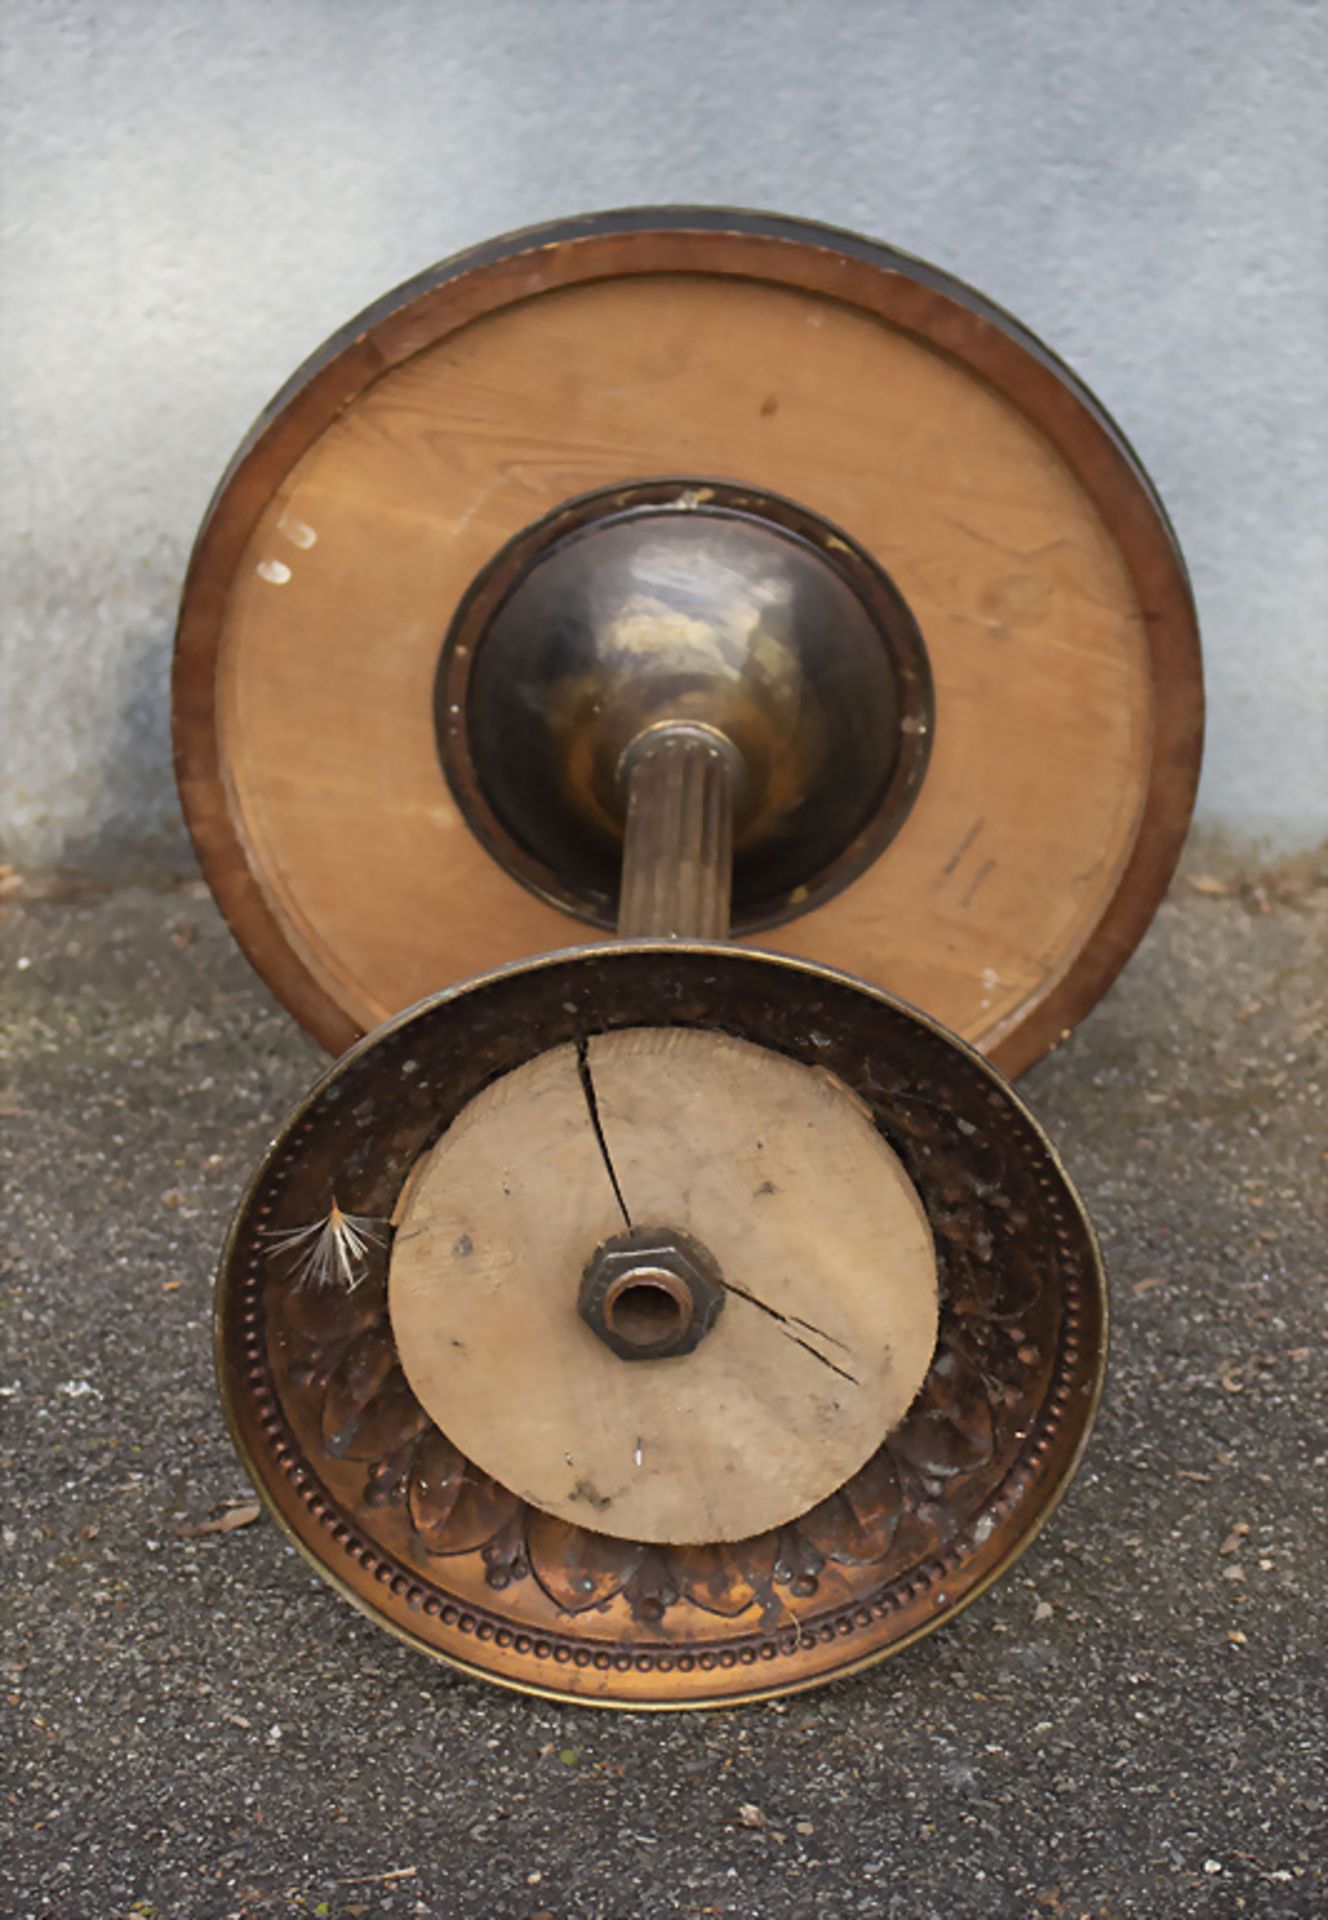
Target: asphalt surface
[{"x": 1130, "y": 1723}]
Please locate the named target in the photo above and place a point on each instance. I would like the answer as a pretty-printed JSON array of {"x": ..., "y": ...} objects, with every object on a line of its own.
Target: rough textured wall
[{"x": 195, "y": 194}]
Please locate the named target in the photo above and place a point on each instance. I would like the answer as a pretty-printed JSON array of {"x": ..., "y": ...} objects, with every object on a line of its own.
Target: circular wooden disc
[
  {"x": 404, "y": 1523},
  {"x": 883, "y": 395},
  {"x": 830, "y": 1312}
]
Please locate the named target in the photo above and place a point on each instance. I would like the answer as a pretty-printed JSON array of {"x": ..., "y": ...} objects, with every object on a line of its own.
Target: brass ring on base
[{"x": 411, "y": 1529}]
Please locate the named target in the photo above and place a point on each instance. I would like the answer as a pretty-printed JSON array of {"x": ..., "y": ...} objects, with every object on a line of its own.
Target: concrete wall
[{"x": 195, "y": 194}]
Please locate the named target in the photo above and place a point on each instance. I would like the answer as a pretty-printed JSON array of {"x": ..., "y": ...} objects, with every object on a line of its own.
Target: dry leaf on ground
[{"x": 227, "y": 1522}]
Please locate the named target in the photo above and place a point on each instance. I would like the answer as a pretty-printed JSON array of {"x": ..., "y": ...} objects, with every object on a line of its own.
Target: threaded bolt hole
[{"x": 648, "y": 1310}]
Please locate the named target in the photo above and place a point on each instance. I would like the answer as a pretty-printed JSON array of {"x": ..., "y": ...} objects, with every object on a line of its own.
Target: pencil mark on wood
[
  {"x": 983, "y": 873},
  {"x": 962, "y": 848}
]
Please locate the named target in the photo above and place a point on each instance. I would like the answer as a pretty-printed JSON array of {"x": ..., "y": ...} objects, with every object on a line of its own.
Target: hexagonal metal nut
[{"x": 651, "y": 1293}]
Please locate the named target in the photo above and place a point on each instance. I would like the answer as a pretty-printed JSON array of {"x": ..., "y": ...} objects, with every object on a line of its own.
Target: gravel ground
[{"x": 1131, "y": 1723}]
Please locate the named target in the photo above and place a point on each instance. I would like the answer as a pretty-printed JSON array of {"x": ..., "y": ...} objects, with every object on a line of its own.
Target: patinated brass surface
[
  {"x": 385, "y": 1507},
  {"x": 692, "y": 601}
]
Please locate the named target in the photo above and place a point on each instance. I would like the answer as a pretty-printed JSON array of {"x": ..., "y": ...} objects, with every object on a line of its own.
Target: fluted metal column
[{"x": 677, "y": 869}]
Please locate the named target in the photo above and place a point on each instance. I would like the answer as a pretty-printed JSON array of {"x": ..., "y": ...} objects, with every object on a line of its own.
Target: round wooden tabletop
[{"x": 946, "y": 442}]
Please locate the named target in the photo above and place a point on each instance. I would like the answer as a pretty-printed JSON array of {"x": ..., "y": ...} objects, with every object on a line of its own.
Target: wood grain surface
[
  {"x": 830, "y": 1314},
  {"x": 1041, "y": 571}
]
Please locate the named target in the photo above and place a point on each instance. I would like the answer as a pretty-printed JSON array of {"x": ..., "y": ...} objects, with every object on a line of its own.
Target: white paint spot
[
  {"x": 298, "y": 532},
  {"x": 275, "y": 571}
]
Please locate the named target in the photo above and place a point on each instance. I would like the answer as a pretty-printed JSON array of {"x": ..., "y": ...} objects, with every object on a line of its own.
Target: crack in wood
[
  {"x": 787, "y": 1322},
  {"x": 820, "y": 1332},
  {"x": 592, "y": 1108}
]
